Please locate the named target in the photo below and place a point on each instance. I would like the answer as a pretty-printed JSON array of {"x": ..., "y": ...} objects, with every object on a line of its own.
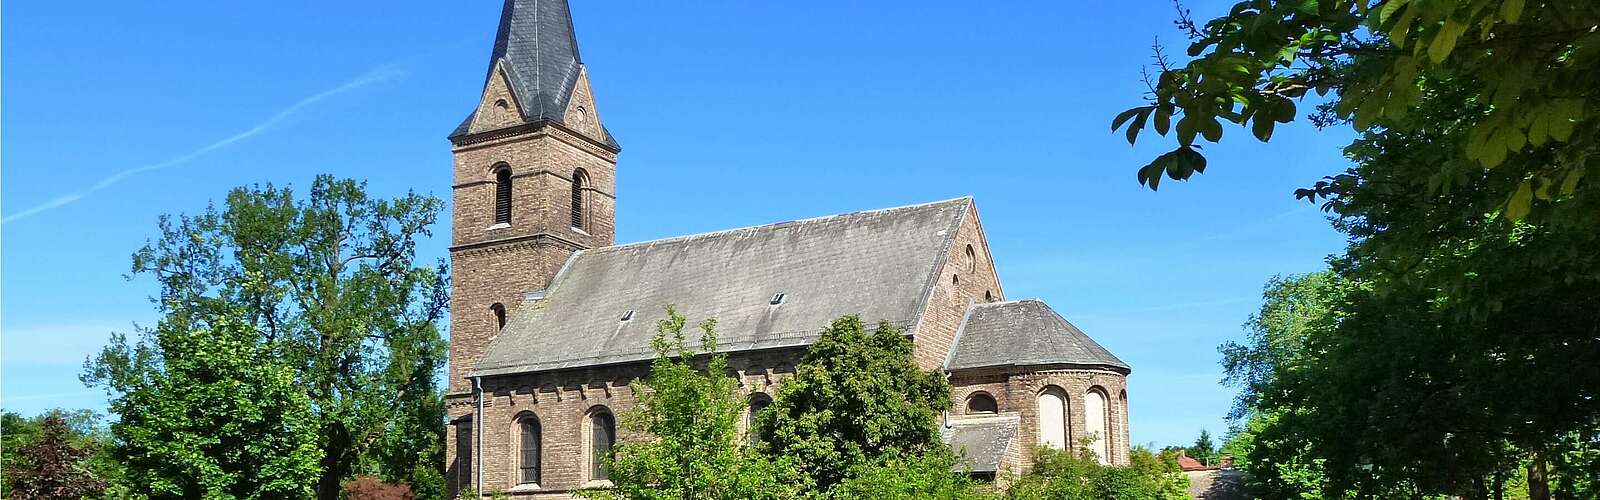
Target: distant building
[{"x": 550, "y": 319}]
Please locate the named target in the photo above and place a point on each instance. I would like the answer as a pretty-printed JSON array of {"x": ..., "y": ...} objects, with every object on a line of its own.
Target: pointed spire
[{"x": 538, "y": 49}]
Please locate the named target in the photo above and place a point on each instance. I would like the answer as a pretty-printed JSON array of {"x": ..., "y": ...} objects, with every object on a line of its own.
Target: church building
[{"x": 550, "y": 319}]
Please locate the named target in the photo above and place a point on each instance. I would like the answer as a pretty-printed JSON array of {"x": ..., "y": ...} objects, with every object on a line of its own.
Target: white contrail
[{"x": 378, "y": 74}]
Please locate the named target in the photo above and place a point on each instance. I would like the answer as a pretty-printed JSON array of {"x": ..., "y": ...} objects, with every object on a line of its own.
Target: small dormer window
[
  {"x": 777, "y": 298},
  {"x": 627, "y": 315}
]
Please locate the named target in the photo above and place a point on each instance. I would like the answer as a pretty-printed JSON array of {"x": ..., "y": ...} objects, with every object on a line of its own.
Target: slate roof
[
  {"x": 539, "y": 51},
  {"x": 1024, "y": 332},
  {"x": 981, "y": 442},
  {"x": 880, "y": 264}
]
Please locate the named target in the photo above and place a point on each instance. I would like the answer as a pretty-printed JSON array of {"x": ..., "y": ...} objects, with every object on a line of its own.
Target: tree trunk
[
  {"x": 335, "y": 461},
  {"x": 1538, "y": 484}
]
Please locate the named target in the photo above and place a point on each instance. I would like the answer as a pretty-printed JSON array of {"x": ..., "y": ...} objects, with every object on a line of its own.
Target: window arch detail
[
  {"x": 602, "y": 428},
  {"x": 502, "y": 195},
  {"x": 981, "y": 402},
  {"x": 972, "y": 259},
  {"x": 499, "y": 311},
  {"x": 1053, "y": 412},
  {"x": 580, "y": 182},
  {"x": 758, "y": 401},
  {"x": 1096, "y": 416},
  {"x": 530, "y": 448}
]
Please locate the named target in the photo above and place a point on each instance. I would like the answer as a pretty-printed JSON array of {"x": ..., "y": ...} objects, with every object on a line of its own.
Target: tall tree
[
  {"x": 857, "y": 396},
  {"x": 685, "y": 434},
  {"x": 327, "y": 287}
]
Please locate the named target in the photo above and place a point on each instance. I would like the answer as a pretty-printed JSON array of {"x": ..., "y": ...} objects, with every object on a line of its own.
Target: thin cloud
[{"x": 379, "y": 74}]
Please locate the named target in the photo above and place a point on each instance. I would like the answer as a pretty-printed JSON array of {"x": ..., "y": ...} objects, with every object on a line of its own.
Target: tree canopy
[
  {"x": 332, "y": 326},
  {"x": 856, "y": 397}
]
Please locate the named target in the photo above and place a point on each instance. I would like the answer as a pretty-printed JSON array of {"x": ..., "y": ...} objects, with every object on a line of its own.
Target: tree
[
  {"x": 213, "y": 416},
  {"x": 326, "y": 290},
  {"x": 51, "y": 466},
  {"x": 856, "y": 397},
  {"x": 1532, "y": 66},
  {"x": 1203, "y": 448},
  {"x": 685, "y": 428}
]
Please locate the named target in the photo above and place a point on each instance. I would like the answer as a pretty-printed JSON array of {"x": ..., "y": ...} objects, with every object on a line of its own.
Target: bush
[
  {"x": 1077, "y": 475},
  {"x": 372, "y": 488}
]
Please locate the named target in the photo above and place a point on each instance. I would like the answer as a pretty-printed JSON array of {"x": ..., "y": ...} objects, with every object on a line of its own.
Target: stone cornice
[
  {"x": 533, "y": 130},
  {"x": 516, "y": 243}
]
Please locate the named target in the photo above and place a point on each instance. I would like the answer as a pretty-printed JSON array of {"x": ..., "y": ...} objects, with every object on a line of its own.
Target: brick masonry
[
  {"x": 1017, "y": 390},
  {"x": 501, "y": 263}
]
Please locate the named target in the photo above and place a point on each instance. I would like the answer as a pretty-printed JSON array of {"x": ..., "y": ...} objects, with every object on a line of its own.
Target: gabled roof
[
  {"x": 981, "y": 443},
  {"x": 539, "y": 51},
  {"x": 880, "y": 264},
  {"x": 1024, "y": 332}
]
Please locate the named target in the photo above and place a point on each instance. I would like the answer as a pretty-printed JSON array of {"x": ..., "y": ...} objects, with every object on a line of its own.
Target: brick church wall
[
  {"x": 961, "y": 282},
  {"x": 1016, "y": 390}
]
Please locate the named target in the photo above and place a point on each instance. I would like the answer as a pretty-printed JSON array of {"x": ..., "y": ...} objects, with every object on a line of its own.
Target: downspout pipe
[{"x": 477, "y": 436}]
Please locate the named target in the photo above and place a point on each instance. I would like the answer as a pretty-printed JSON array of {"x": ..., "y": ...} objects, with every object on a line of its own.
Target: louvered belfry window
[
  {"x": 530, "y": 450},
  {"x": 502, "y": 196},
  {"x": 579, "y": 179}
]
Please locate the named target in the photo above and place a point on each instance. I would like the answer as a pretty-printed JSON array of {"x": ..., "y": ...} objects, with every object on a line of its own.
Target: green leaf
[
  {"x": 1445, "y": 41},
  {"x": 1402, "y": 28},
  {"x": 1570, "y": 184},
  {"x": 1186, "y": 129},
  {"x": 1521, "y": 201},
  {"x": 1211, "y": 129},
  {"x": 1123, "y": 117},
  {"x": 1262, "y": 128},
  {"x": 1163, "y": 120},
  {"x": 1389, "y": 8},
  {"x": 1137, "y": 125},
  {"x": 1511, "y": 11}
]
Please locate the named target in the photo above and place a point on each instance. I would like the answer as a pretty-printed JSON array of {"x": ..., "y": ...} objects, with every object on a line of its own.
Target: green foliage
[
  {"x": 856, "y": 397},
  {"x": 1078, "y": 475},
  {"x": 324, "y": 291},
  {"x": 1531, "y": 66},
  {"x": 216, "y": 417},
  {"x": 1203, "y": 449},
  {"x": 933, "y": 475},
  {"x": 686, "y": 423}
]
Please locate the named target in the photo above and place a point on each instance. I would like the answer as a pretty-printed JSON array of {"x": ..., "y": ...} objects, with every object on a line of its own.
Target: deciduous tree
[{"x": 327, "y": 288}]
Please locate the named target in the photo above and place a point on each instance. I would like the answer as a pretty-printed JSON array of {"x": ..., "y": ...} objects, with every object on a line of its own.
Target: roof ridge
[{"x": 773, "y": 225}]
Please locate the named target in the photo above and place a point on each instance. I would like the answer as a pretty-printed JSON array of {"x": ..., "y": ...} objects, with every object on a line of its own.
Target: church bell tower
[{"x": 535, "y": 178}]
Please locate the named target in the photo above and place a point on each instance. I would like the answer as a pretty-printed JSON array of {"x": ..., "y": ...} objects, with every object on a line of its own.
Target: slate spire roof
[{"x": 539, "y": 50}]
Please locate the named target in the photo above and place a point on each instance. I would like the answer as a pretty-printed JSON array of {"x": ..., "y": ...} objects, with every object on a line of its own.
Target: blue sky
[{"x": 730, "y": 114}]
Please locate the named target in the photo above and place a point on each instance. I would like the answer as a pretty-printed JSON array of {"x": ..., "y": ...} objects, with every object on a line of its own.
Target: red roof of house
[{"x": 1187, "y": 463}]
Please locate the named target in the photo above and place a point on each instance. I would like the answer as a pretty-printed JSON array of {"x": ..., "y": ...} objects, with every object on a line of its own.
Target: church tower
[{"x": 535, "y": 178}]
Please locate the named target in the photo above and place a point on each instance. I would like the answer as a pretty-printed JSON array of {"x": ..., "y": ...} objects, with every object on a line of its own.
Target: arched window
[
  {"x": 980, "y": 402},
  {"x": 602, "y": 436},
  {"x": 532, "y": 442},
  {"x": 502, "y": 195},
  {"x": 499, "y": 311},
  {"x": 988, "y": 296},
  {"x": 1095, "y": 416},
  {"x": 758, "y": 402},
  {"x": 972, "y": 259},
  {"x": 1053, "y": 418},
  {"x": 580, "y": 180}
]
